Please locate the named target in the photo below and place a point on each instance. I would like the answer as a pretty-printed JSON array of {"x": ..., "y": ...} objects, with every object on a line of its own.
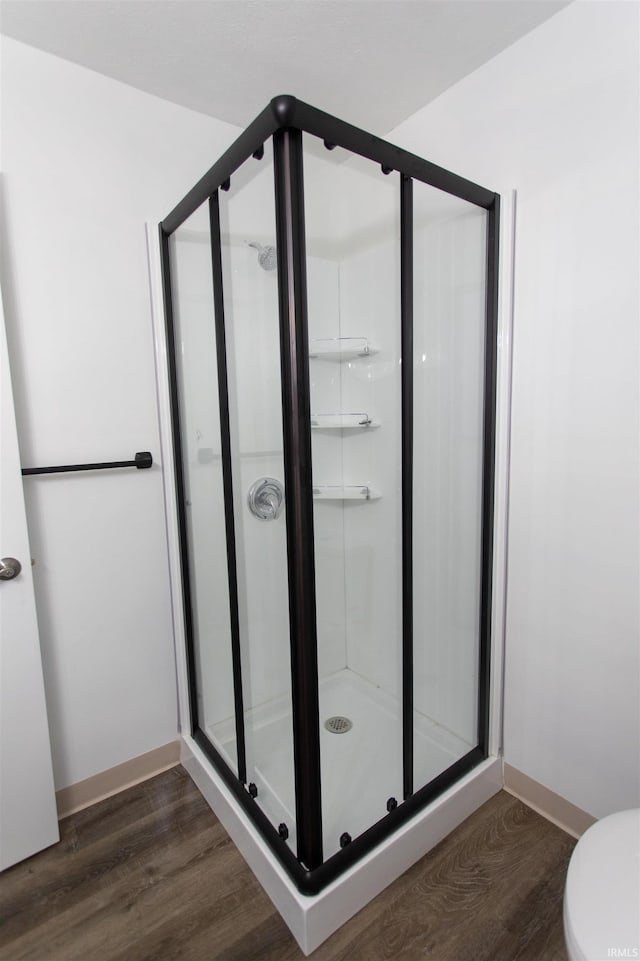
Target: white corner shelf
[
  {"x": 341, "y": 348},
  {"x": 355, "y": 421},
  {"x": 352, "y": 492}
]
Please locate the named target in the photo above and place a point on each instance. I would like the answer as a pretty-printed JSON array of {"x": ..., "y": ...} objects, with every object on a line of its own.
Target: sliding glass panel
[
  {"x": 195, "y": 349},
  {"x": 448, "y": 364},
  {"x": 352, "y": 228},
  {"x": 250, "y": 284}
]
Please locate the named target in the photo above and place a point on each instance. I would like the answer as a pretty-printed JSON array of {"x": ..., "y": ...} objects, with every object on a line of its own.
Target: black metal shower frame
[{"x": 285, "y": 119}]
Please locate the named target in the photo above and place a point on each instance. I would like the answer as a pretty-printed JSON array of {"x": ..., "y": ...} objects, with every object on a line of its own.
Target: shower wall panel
[
  {"x": 370, "y": 298},
  {"x": 323, "y": 290}
]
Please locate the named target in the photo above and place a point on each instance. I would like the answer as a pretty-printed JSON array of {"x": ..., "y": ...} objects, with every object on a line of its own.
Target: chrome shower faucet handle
[{"x": 266, "y": 498}]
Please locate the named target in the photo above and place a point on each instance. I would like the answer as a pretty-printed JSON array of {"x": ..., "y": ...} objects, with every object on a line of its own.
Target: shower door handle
[{"x": 10, "y": 567}]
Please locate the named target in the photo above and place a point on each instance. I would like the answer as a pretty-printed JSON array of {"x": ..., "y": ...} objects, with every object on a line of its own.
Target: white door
[{"x": 28, "y": 820}]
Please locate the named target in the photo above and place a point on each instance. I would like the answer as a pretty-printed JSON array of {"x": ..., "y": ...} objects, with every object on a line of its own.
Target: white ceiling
[{"x": 371, "y": 62}]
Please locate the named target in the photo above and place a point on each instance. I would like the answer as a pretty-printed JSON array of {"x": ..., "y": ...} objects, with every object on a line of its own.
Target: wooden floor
[{"x": 150, "y": 875}]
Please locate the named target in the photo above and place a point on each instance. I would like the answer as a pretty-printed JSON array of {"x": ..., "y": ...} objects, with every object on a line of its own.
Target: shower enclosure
[{"x": 330, "y": 302}]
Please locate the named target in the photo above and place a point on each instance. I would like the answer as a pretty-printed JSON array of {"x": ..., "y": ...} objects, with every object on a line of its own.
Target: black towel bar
[{"x": 142, "y": 460}]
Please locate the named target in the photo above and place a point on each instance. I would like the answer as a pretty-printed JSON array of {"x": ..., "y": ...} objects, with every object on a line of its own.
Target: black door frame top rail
[{"x": 285, "y": 119}]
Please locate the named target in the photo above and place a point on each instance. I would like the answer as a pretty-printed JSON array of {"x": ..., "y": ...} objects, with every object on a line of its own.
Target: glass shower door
[
  {"x": 208, "y": 603},
  {"x": 227, "y": 348},
  {"x": 250, "y": 302},
  {"x": 450, "y": 256},
  {"x": 352, "y": 218}
]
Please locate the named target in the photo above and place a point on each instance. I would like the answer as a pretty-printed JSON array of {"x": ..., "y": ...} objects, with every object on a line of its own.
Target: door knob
[{"x": 9, "y": 568}]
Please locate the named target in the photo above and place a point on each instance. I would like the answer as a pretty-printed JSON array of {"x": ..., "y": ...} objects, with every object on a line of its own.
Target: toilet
[{"x": 602, "y": 893}]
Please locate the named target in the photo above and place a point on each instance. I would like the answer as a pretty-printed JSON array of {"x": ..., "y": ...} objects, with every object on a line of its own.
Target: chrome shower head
[{"x": 267, "y": 257}]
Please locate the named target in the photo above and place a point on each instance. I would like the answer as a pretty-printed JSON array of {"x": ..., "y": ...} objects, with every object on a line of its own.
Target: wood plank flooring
[{"x": 150, "y": 875}]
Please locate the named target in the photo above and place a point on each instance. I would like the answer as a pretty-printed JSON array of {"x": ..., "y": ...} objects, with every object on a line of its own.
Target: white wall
[
  {"x": 86, "y": 162},
  {"x": 556, "y": 117}
]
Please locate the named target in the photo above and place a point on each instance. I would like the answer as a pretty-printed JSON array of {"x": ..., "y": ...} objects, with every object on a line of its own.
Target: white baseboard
[
  {"x": 75, "y": 797},
  {"x": 550, "y": 805}
]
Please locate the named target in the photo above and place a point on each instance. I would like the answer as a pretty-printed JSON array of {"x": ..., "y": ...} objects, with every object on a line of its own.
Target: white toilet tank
[{"x": 602, "y": 893}]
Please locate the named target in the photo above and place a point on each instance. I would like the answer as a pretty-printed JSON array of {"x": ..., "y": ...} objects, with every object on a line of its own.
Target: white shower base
[
  {"x": 361, "y": 769},
  {"x": 313, "y": 919},
  {"x": 354, "y": 796}
]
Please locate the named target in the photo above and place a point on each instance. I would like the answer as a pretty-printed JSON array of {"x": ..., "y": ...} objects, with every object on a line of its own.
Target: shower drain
[{"x": 338, "y": 724}]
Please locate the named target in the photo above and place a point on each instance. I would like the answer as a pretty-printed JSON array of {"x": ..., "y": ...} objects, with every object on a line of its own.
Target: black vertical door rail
[
  {"x": 296, "y": 421},
  {"x": 406, "y": 353},
  {"x": 227, "y": 478}
]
